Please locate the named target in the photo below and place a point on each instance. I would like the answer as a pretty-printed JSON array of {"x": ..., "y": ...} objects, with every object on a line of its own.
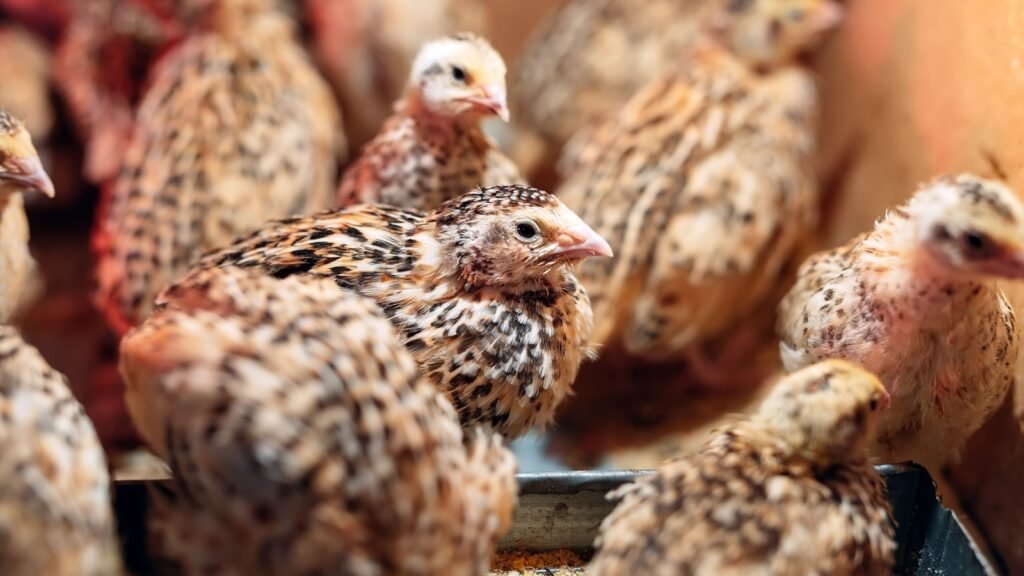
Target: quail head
[
  {"x": 20, "y": 167},
  {"x": 768, "y": 33}
]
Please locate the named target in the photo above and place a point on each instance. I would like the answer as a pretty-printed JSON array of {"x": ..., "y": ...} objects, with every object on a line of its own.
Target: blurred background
[{"x": 911, "y": 88}]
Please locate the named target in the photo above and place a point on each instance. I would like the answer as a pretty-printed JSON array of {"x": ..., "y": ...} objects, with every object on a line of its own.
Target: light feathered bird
[
  {"x": 917, "y": 301},
  {"x": 788, "y": 491},
  {"x": 702, "y": 184},
  {"x": 433, "y": 148},
  {"x": 21, "y": 172},
  {"x": 482, "y": 291},
  {"x": 236, "y": 129},
  {"x": 55, "y": 509},
  {"x": 303, "y": 439}
]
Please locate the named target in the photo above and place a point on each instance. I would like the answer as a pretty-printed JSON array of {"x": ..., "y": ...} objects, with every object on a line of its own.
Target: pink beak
[
  {"x": 1009, "y": 264},
  {"x": 492, "y": 100},
  {"x": 27, "y": 173},
  {"x": 579, "y": 242},
  {"x": 828, "y": 16}
]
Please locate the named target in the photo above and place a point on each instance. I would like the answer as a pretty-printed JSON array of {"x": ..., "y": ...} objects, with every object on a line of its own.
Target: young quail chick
[
  {"x": 303, "y": 439},
  {"x": 702, "y": 183},
  {"x": 433, "y": 149},
  {"x": 20, "y": 171},
  {"x": 917, "y": 302},
  {"x": 789, "y": 491},
  {"x": 237, "y": 129},
  {"x": 55, "y": 511},
  {"x": 482, "y": 291}
]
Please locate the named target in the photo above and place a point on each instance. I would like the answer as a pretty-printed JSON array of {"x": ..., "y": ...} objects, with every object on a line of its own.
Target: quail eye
[
  {"x": 527, "y": 231},
  {"x": 975, "y": 241},
  {"x": 873, "y": 404},
  {"x": 459, "y": 74}
]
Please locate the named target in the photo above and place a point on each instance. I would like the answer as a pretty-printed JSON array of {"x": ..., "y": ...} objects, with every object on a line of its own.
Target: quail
[
  {"x": 303, "y": 439},
  {"x": 917, "y": 301},
  {"x": 236, "y": 129},
  {"x": 702, "y": 184},
  {"x": 481, "y": 290},
  {"x": 433, "y": 149},
  {"x": 787, "y": 491}
]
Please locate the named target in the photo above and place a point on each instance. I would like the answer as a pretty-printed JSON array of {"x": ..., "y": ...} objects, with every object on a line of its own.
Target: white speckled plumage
[{"x": 917, "y": 300}]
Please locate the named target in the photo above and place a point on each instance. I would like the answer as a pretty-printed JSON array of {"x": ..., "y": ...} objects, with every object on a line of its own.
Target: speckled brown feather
[
  {"x": 590, "y": 56},
  {"x": 752, "y": 502},
  {"x": 702, "y": 185},
  {"x": 55, "y": 509},
  {"x": 236, "y": 130},
  {"x": 945, "y": 344},
  {"x": 303, "y": 439},
  {"x": 506, "y": 355}
]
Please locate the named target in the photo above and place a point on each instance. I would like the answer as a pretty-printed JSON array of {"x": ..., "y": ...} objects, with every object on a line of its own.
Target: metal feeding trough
[{"x": 563, "y": 510}]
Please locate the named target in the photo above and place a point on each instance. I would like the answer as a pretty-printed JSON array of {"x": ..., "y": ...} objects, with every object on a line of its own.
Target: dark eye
[
  {"x": 975, "y": 241},
  {"x": 873, "y": 404},
  {"x": 459, "y": 74},
  {"x": 527, "y": 231}
]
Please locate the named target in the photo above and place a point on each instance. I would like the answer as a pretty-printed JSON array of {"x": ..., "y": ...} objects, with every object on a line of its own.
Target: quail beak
[
  {"x": 1008, "y": 263},
  {"x": 579, "y": 242},
  {"x": 884, "y": 400},
  {"x": 26, "y": 173},
  {"x": 491, "y": 99},
  {"x": 826, "y": 17}
]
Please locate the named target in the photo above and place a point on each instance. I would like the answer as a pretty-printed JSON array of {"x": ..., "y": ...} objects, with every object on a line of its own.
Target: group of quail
[{"x": 332, "y": 365}]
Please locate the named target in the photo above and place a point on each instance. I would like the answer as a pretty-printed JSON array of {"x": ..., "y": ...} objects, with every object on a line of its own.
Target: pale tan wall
[{"x": 913, "y": 88}]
